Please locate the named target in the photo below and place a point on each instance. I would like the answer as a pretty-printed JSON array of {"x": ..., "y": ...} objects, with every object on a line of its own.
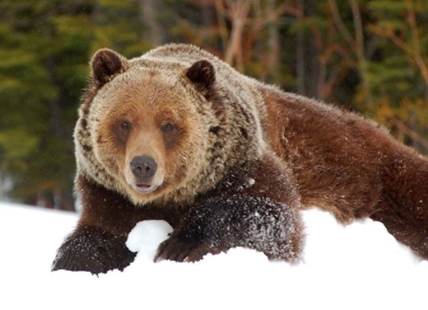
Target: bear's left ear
[
  {"x": 202, "y": 73},
  {"x": 106, "y": 64}
]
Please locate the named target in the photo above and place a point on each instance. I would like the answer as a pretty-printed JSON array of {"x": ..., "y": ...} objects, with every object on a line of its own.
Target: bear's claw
[{"x": 179, "y": 250}]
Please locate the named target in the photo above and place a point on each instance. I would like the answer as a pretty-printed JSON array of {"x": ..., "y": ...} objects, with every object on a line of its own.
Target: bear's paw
[
  {"x": 180, "y": 250},
  {"x": 93, "y": 250}
]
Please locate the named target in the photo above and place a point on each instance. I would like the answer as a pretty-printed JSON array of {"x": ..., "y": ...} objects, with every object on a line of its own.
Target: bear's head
[{"x": 154, "y": 130}]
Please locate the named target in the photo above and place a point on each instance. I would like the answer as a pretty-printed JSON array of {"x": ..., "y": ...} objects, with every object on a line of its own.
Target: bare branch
[
  {"x": 340, "y": 25},
  {"x": 360, "y": 52},
  {"x": 238, "y": 11},
  {"x": 417, "y": 55}
]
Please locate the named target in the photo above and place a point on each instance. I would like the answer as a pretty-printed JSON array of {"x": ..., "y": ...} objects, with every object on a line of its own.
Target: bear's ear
[
  {"x": 106, "y": 64},
  {"x": 202, "y": 73}
]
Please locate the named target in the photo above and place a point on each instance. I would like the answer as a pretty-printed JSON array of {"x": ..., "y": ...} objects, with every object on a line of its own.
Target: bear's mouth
[{"x": 144, "y": 188}]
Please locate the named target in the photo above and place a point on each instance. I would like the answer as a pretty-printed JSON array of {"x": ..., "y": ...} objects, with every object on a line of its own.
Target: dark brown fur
[{"x": 351, "y": 167}]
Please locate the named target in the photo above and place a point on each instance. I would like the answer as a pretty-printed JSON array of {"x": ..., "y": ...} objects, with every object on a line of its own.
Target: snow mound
[
  {"x": 146, "y": 236},
  {"x": 359, "y": 266}
]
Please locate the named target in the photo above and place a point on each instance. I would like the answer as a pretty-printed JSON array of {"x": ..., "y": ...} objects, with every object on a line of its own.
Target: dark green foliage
[{"x": 42, "y": 70}]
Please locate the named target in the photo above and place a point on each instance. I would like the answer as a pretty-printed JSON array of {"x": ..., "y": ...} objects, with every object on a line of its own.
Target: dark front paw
[
  {"x": 218, "y": 224},
  {"x": 94, "y": 250},
  {"x": 181, "y": 250}
]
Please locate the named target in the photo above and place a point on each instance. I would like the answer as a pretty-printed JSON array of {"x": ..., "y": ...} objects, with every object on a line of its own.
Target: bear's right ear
[{"x": 106, "y": 64}]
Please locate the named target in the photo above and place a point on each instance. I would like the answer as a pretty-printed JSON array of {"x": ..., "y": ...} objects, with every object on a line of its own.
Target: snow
[
  {"x": 146, "y": 236},
  {"x": 359, "y": 266}
]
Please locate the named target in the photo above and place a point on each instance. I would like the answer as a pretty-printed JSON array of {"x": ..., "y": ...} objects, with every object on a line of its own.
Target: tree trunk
[
  {"x": 150, "y": 18},
  {"x": 273, "y": 42},
  {"x": 312, "y": 68},
  {"x": 55, "y": 119},
  {"x": 300, "y": 50}
]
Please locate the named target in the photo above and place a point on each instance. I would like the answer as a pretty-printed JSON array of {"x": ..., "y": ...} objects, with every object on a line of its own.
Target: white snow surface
[{"x": 359, "y": 266}]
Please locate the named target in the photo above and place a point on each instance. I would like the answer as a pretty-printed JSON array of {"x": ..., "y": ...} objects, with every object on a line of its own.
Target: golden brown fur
[{"x": 177, "y": 134}]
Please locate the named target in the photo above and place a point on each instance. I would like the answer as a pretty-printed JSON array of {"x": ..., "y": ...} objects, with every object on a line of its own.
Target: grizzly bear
[{"x": 179, "y": 135}]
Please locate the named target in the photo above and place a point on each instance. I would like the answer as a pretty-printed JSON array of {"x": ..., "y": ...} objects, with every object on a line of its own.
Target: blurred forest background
[{"x": 369, "y": 56}]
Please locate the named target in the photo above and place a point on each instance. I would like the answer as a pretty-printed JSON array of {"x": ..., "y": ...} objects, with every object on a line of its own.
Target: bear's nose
[{"x": 143, "y": 167}]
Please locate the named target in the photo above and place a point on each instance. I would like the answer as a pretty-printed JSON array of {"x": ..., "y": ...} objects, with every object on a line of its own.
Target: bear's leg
[
  {"x": 98, "y": 243},
  {"x": 403, "y": 206},
  {"x": 220, "y": 223},
  {"x": 89, "y": 248}
]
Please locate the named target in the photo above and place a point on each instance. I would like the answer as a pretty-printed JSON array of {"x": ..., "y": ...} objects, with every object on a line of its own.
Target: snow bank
[{"x": 353, "y": 267}]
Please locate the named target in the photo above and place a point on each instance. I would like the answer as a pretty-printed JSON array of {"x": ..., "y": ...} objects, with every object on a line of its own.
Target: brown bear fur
[{"x": 179, "y": 135}]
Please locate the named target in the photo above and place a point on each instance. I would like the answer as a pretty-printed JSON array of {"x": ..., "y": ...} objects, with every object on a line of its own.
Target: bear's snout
[{"x": 143, "y": 168}]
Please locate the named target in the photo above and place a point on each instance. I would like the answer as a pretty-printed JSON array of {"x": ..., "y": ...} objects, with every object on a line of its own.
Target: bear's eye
[
  {"x": 125, "y": 125},
  {"x": 168, "y": 127},
  {"x": 122, "y": 129}
]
